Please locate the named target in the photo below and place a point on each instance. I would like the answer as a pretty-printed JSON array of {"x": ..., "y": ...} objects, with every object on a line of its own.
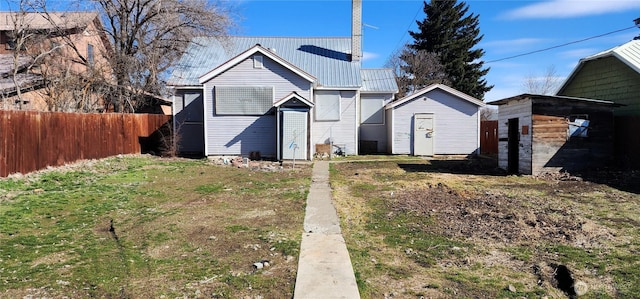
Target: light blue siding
[
  {"x": 343, "y": 131},
  {"x": 240, "y": 135},
  {"x": 456, "y": 122}
]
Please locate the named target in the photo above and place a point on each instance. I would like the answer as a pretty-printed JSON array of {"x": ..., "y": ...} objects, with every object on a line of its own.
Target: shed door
[
  {"x": 294, "y": 134},
  {"x": 423, "y": 135}
]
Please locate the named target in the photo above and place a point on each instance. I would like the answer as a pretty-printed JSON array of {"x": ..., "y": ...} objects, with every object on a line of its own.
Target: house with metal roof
[
  {"x": 613, "y": 75},
  {"x": 279, "y": 97}
]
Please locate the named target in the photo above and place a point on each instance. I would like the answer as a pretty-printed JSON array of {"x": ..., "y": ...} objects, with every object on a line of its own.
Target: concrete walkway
[{"x": 324, "y": 266}]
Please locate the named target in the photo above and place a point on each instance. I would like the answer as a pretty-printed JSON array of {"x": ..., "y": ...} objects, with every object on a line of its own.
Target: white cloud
[
  {"x": 514, "y": 42},
  {"x": 570, "y": 8},
  {"x": 369, "y": 56},
  {"x": 579, "y": 53}
]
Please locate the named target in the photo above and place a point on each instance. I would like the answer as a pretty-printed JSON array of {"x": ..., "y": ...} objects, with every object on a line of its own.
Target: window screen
[
  {"x": 371, "y": 111},
  {"x": 243, "y": 100},
  {"x": 327, "y": 105}
]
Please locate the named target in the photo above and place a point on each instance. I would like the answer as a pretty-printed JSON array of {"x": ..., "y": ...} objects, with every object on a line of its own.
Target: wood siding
[
  {"x": 554, "y": 150},
  {"x": 343, "y": 131},
  {"x": 544, "y": 142},
  {"x": 54, "y": 139},
  {"x": 240, "y": 135},
  {"x": 607, "y": 79},
  {"x": 376, "y": 133},
  {"x": 456, "y": 121},
  {"x": 520, "y": 109}
]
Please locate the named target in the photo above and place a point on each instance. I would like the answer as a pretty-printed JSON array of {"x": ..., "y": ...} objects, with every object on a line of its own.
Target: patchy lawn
[
  {"x": 144, "y": 227},
  {"x": 455, "y": 229}
]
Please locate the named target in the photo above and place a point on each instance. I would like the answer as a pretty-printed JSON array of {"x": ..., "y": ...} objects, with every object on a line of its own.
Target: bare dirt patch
[
  {"x": 452, "y": 229},
  {"x": 496, "y": 217}
]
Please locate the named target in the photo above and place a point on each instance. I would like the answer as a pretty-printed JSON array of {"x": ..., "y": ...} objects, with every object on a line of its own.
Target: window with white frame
[
  {"x": 371, "y": 110},
  {"x": 327, "y": 105}
]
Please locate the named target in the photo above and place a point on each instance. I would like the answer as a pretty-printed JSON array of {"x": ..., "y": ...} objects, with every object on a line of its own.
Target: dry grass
[
  {"x": 145, "y": 227},
  {"x": 455, "y": 229}
]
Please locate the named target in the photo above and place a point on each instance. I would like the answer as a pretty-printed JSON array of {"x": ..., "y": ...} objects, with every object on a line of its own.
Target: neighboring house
[
  {"x": 55, "y": 43},
  {"x": 436, "y": 120},
  {"x": 543, "y": 134},
  {"x": 613, "y": 75},
  {"x": 279, "y": 97}
]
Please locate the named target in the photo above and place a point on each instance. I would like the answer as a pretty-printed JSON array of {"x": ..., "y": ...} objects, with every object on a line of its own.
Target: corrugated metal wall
[{"x": 32, "y": 140}]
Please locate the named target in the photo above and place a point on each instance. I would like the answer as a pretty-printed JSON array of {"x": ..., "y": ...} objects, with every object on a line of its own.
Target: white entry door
[
  {"x": 294, "y": 134},
  {"x": 423, "y": 134}
]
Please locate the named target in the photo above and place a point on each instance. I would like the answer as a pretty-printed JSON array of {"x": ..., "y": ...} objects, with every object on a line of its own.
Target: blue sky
[{"x": 509, "y": 27}]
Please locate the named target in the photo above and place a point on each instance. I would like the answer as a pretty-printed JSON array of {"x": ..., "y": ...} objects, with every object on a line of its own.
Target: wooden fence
[
  {"x": 489, "y": 137},
  {"x": 32, "y": 140}
]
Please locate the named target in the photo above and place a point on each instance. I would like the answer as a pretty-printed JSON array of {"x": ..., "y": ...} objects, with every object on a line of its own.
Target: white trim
[
  {"x": 206, "y": 125},
  {"x": 429, "y": 88},
  {"x": 293, "y": 95},
  {"x": 357, "y": 125},
  {"x": 248, "y": 53},
  {"x": 312, "y": 147},
  {"x": 338, "y": 88}
]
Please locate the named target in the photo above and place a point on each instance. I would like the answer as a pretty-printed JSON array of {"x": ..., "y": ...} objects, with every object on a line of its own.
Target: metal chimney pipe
[{"x": 356, "y": 30}]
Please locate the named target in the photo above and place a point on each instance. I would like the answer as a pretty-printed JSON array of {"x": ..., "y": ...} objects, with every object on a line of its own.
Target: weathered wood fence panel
[
  {"x": 489, "y": 137},
  {"x": 32, "y": 140}
]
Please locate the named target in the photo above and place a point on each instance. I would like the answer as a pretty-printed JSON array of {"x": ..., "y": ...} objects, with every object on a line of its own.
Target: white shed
[{"x": 436, "y": 120}]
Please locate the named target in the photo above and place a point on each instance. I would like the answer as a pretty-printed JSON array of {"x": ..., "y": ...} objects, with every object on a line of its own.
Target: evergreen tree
[{"x": 450, "y": 33}]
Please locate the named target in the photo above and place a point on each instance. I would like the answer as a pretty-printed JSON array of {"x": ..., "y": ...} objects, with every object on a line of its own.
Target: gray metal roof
[
  {"x": 629, "y": 53},
  {"x": 327, "y": 59},
  {"x": 378, "y": 80}
]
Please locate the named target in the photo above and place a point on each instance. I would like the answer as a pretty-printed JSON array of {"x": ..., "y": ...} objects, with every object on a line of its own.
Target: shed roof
[
  {"x": 327, "y": 59},
  {"x": 378, "y": 80},
  {"x": 431, "y": 87},
  {"x": 628, "y": 53},
  {"x": 549, "y": 97}
]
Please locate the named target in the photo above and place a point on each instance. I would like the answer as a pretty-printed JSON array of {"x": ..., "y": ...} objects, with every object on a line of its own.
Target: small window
[
  {"x": 90, "y": 57},
  {"x": 257, "y": 62},
  {"x": 371, "y": 110},
  {"x": 327, "y": 105}
]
